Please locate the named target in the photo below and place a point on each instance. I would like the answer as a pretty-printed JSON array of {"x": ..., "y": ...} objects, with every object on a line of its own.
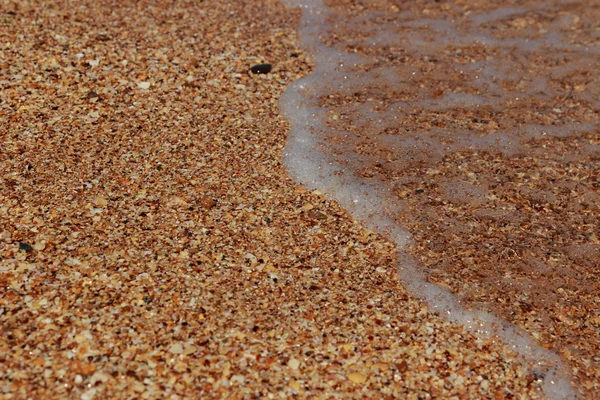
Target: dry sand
[{"x": 151, "y": 244}]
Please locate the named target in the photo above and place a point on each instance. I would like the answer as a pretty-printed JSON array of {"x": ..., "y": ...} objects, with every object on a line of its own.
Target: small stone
[
  {"x": 293, "y": 364},
  {"x": 402, "y": 366},
  {"x": 180, "y": 366},
  {"x": 89, "y": 395},
  {"x": 99, "y": 376},
  {"x": 314, "y": 214},
  {"x": 357, "y": 377},
  {"x": 190, "y": 349},
  {"x": 25, "y": 247},
  {"x": 261, "y": 68},
  {"x": 348, "y": 346},
  {"x": 70, "y": 261},
  {"x": 207, "y": 203},
  {"x": 39, "y": 246},
  {"x": 176, "y": 348},
  {"x": 100, "y": 201},
  {"x": 82, "y": 368},
  {"x": 144, "y": 85},
  {"x": 6, "y": 236},
  {"x": 92, "y": 95},
  {"x": 138, "y": 387}
]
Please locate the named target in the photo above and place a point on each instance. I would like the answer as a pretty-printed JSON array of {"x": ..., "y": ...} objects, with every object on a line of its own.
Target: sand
[
  {"x": 492, "y": 154},
  {"x": 151, "y": 243}
]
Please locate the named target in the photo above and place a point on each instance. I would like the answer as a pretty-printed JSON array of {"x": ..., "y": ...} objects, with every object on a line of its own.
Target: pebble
[
  {"x": 294, "y": 364},
  {"x": 176, "y": 348},
  {"x": 357, "y": 377},
  {"x": 25, "y": 247},
  {"x": 261, "y": 68}
]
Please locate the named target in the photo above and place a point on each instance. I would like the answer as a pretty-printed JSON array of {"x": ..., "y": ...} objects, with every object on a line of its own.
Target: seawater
[{"x": 321, "y": 153}]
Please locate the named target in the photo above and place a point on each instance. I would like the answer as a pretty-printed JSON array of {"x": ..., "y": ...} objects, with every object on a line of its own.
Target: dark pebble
[
  {"x": 261, "y": 68},
  {"x": 25, "y": 247},
  {"x": 402, "y": 366}
]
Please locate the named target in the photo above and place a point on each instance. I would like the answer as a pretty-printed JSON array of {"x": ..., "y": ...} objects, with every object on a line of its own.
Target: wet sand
[
  {"x": 492, "y": 154},
  {"x": 151, "y": 243}
]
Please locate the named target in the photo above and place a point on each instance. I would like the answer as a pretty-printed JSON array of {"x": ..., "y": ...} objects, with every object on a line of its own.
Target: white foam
[{"x": 372, "y": 204}]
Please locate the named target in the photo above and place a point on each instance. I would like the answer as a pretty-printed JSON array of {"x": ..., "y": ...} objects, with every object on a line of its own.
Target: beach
[
  {"x": 482, "y": 120},
  {"x": 153, "y": 245}
]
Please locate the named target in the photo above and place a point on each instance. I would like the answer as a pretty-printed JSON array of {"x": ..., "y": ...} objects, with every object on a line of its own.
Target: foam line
[{"x": 372, "y": 204}]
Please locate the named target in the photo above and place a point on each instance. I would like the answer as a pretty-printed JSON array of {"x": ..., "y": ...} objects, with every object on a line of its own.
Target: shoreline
[{"x": 478, "y": 182}]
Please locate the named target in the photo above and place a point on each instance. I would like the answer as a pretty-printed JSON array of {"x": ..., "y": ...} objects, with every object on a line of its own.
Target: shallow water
[{"x": 458, "y": 123}]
